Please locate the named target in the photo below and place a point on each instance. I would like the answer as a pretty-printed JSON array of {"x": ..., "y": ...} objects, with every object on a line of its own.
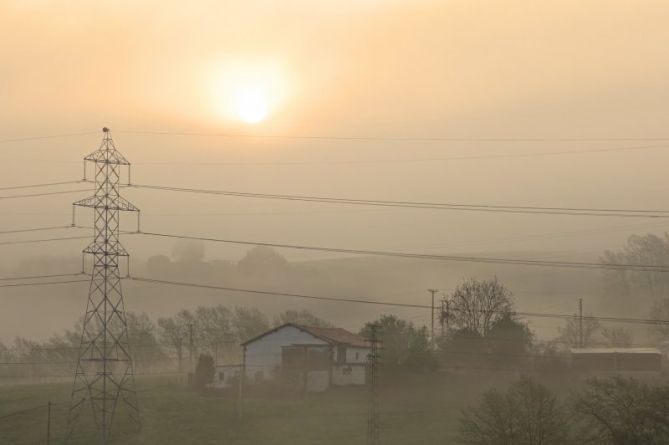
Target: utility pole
[
  {"x": 104, "y": 375},
  {"x": 432, "y": 292},
  {"x": 442, "y": 318},
  {"x": 190, "y": 347},
  {"x": 305, "y": 370},
  {"x": 240, "y": 386},
  {"x": 580, "y": 323},
  {"x": 372, "y": 384},
  {"x": 48, "y": 424}
]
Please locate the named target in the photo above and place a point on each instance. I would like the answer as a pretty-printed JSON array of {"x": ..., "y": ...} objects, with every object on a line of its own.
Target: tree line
[
  {"x": 481, "y": 329},
  {"x": 169, "y": 343},
  {"x": 611, "y": 411}
]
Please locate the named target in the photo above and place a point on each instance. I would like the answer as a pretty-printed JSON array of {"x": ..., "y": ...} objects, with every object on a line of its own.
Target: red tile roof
[{"x": 336, "y": 335}]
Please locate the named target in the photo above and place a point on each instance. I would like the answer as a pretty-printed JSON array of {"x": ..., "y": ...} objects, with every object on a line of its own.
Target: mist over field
[{"x": 363, "y": 222}]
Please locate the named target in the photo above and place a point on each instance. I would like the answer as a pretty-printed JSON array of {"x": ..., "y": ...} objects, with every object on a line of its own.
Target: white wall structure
[
  {"x": 226, "y": 376},
  {"x": 263, "y": 356},
  {"x": 313, "y": 358},
  {"x": 353, "y": 370}
]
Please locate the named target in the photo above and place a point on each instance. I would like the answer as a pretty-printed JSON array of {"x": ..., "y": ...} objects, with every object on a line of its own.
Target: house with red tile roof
[{"x": 307, "y": 357}]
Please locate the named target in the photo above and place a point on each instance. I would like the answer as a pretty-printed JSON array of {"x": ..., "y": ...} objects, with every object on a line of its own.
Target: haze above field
[{"x": 459, "y": 69}]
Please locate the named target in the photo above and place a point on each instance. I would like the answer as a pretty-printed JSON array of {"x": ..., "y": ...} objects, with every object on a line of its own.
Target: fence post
[{"x": 48, "y": 424}]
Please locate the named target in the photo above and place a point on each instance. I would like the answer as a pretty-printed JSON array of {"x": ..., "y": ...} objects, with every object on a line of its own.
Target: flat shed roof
[{"x": 615, "y": 351}]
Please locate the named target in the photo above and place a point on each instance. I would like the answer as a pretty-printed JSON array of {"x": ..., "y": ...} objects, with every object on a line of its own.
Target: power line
[
  {"x": 23, "y": 411},
  {"x": 31, "y": 277},
  {"x": 377, "y": 302},
  {"x": 281, "y": 294},
  {"x": 391, "y": 160},
  {"x": 51, "y": 136},
  {"x": 34, "y": 195},
  {"x": 413, "y": 160},
  {"x": 422, "y": 256},
  {"x": 393, "y": 138},
  {"x": 572, "y": 211},
  {"x": 43, "y": 240},
  {"x": 43, "y": 283},
  {"x": 34, "y": 229},
  {"x": 46, "y": 184}
]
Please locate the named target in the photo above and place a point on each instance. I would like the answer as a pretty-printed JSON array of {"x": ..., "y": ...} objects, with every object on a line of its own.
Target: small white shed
[
  {"x": 226, "y": 376},
  {"x": 311, "y": 358}
]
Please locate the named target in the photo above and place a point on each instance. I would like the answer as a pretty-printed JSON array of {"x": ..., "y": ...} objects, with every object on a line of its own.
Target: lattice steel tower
[
  {"x": 373, "y": 427},
  {"x": 104, "y": 375}
]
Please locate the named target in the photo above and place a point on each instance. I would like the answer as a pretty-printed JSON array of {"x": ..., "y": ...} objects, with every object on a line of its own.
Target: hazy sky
[{"x": 459, "y": 68}]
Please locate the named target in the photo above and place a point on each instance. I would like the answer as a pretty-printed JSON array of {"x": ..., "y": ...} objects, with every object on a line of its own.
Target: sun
[
  {"x": 251, "y": 104},
  {"x": 247, "y": 92}
]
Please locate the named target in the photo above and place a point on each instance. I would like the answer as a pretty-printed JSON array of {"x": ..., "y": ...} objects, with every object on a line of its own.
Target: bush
[
  {"x": 622, "y": 411},
  {"x": 204, "y": 371},
  {"x": 527, "y": 414}
]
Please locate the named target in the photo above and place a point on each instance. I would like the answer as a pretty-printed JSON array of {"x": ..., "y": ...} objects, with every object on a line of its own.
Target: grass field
[{"x": 411, "y": 413}]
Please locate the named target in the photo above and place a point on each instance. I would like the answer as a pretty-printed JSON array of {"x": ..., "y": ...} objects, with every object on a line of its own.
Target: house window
[
  {"x": 259, "y": 376},
  {"x": 346, "y": 370},
  {"x": 341, "y": 354},
  {"x": 357, "y": 356},
  {"x": 221, "y": 376}
]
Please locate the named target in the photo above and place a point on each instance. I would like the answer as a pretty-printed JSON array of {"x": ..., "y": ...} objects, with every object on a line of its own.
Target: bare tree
[
  {"x": 300, "y": 317},
  {"x": 249, "y": 322},
  {"x": 617, "y": 337},
  {"x": 660, "y": 311},
  {"x": 630, "y": 288},
  {"x": 215, "y": 331},
  {"x": 570, "y": 333},
  {"x": 477, "y": 305},
  {"x": 527, "y": 414},
  {"x": 620, "y": 411},
  {"x": 174, "y": 333}
]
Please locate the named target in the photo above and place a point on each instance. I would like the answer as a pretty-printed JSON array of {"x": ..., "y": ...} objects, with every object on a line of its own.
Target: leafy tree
[
  {"x": 506, "y": 343},
  {"x": 622, "y": 411},
  {"x": 188, "y": 251},
  {"x": 215, "y": 330},
  {"x": 660, "y": 311},
  {"x": 5, "y": 354},
  {"x": 144, "y": 345},
  {"x": 175, "y": 333},
  {"x": 464, "y": 347},
  {"x": 248, "y": 323},
  {"x": 159, "y": 265},
  {"x": 62, "y": 348},
  {"x": 629, "y": 288},
  {"x": 617, "y": 337},
  {"x": 478, "y": 304},
  {"x": 263, "y": 259},
  {"x": 509, "y": 340},
  {"x": 303, "y": 317},
  {"x": 527, "y": 414},
  {"x": 570, "y": 332},
  {"x": 204, "y": 371},
  {"x": 404, "y": 345},
  {"x": 547, "y": 357}
]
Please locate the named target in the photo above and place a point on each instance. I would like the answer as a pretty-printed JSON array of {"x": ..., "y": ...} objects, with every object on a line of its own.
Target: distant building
[
  {"x": 226, "y": 376},
  {"x": 616, "y": 360},
  {"x": 307, "y": 357}
]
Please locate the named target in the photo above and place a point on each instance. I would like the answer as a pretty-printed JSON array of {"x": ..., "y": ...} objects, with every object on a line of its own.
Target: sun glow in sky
[
  {"x": 251, "y": 104},
  {"x": 248, "y": 92}
]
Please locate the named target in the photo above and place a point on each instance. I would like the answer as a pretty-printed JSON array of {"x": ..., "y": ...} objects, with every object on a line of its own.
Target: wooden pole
[
  {"x": 580, "y": 323},
  {"x": 48, "y": 424},
  {"x": 240, "y": 387}
]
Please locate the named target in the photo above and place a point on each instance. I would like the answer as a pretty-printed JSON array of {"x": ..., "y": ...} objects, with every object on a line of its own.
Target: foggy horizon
[{"x": 419, "y": 215}]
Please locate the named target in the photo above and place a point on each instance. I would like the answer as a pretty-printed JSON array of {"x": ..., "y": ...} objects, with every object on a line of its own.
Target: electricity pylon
[
  {"x": 373, "y": 426},
  {"x": 104, "y": 375}
]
